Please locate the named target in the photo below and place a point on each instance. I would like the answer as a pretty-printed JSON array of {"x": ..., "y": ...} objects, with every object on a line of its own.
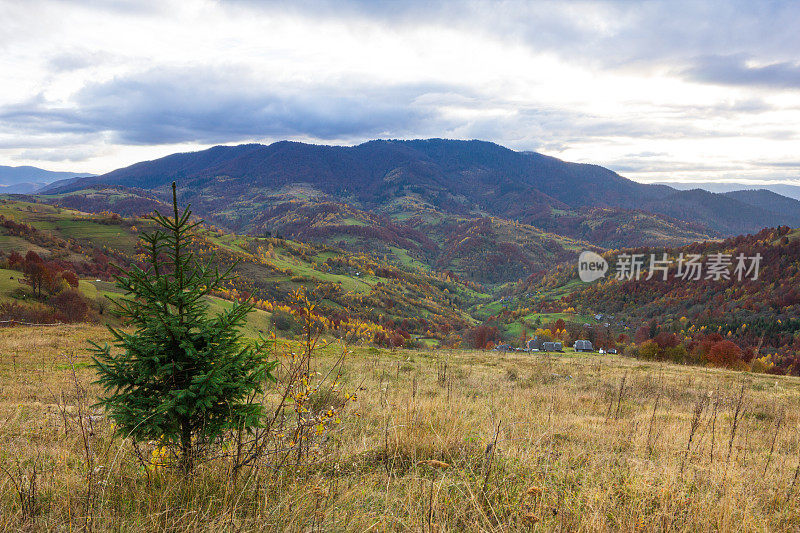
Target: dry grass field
[{"x": 435, "y": 441}]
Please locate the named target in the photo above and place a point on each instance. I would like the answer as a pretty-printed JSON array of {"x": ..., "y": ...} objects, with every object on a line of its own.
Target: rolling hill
[
  {"x": 784, "y": 189},
  {"x": 769, "y": 201},
  {"x": 358, "y": 295},
  {"x": 484, "y": 249}
]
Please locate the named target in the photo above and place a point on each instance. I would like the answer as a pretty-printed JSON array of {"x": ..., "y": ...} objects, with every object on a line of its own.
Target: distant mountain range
[
  {"x": 27, "y": 179},
  {"x": 784, "y": 189},
  {"x": 472, "y": 207}
]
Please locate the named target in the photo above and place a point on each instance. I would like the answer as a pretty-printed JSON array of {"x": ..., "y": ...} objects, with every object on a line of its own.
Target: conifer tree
[{"x": 182, "y": 377}]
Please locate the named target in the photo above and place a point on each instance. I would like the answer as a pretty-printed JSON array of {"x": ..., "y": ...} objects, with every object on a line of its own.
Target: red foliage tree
[
  {"x": 666, "y": 340},
  {"x": 70, "y": 306},
  {"x": 725, "y": 354},
  {"x": 703, "y": 346},
  {"x": 37, "y": 275},
  {"x": 15, "y": 259},
  {"x": 32, "y": 257},
  {"x": 483, "y": 335}
]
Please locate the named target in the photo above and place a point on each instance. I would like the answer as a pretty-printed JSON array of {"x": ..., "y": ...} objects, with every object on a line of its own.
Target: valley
[{"x": 435, "y": 243}]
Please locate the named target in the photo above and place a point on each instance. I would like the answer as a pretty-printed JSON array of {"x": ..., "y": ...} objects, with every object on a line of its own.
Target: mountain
[
  {"x": 769, "y": 201},
  {"x": 456, "y": 176},
  {"x": 27, "y": 179},
  {"x": 427, "y": 202},
  {"x": 468, "y": 178},
  {"x": 791, "y": 191},
  {"x": 727, "y": 214}
]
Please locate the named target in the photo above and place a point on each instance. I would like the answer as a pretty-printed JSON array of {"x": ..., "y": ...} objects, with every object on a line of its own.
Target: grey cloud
[
  {"x": 76, "y": 60},
  {"x": 662, "y": 165},
  {"x": 734, "y": 70},
  {"x": 125, "y": 7},
  {"x": 45, "y": 140},
  {"x": 647, "y": 154},
  {"x": 610, "y": 33},
  {"x": 781, "y": 164},
  {"x": 57, "y": 155},
  {"x": 225, "y": 105},
  {"x": 221, "y": 105},
  {"x": 745, "y": 106}
]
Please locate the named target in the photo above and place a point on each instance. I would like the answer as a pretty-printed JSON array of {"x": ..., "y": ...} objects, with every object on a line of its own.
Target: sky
[{"x": 657, "y": 91}]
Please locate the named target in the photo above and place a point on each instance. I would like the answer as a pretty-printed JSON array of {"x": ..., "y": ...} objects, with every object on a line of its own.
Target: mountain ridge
[
  {"x": 483, "y": 175},
  {"x": 419, "y": 199}
]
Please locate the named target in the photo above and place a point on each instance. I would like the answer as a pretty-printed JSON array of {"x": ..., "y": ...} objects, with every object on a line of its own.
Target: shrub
[
  {"x": 670, "y": 351},
  {"x": 725, "y": 354},
  {"x": 283, "y": 321},
  {"x": 762, "y": 365},
  {"x": 15, "y": 259},
  {"x": 649, "y": 350},
  {"x": 70, "y": 306},
  {"x": 71, "y": 278}
]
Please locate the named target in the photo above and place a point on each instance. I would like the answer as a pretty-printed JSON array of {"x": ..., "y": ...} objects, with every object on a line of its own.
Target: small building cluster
[
  {"x": 553, "y": 347},
  {"x": 538, "y": 345}
]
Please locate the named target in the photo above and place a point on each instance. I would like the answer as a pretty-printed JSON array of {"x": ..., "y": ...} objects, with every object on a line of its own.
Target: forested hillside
[
  {"x": 49, "y": 254},
  {"x": 680, "y": 317},
  {"x": 482, "y": 248}
]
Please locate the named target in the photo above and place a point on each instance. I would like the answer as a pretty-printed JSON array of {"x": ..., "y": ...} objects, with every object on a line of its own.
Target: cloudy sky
[{"x": 658, "y": 91}]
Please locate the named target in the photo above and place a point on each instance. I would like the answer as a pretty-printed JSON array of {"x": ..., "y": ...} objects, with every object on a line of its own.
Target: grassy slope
[
  {"x": 513, "y": 330},
  {"x": 69, "y": 224},
  {"x": 258, "y": 322},
  {"x": 289, "y": 265},
  {"x": 572, "y": 451}
]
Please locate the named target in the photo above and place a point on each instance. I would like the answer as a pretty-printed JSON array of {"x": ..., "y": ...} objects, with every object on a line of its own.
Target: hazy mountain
[
  {"x": 791, "y": 191},
  {"x": 770, "y": 201},
  {"x": 27, "y": 179},
  {"x": 727, "y": 214}
]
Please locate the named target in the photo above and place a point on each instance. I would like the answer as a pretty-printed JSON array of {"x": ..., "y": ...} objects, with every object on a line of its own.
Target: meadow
[{"x": 433, "y": 441}]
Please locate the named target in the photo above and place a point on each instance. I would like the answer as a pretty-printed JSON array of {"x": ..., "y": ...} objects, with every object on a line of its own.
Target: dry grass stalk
[
  {"x": 774, "y": 439},
  {"x": 734, "y": 425},
  {"x": 697, "y": 415},
  {"x": 714, "y": 425}
]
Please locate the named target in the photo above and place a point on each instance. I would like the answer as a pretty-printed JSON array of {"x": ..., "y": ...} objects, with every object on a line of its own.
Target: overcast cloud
[{"x": 658, "y": 91}]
